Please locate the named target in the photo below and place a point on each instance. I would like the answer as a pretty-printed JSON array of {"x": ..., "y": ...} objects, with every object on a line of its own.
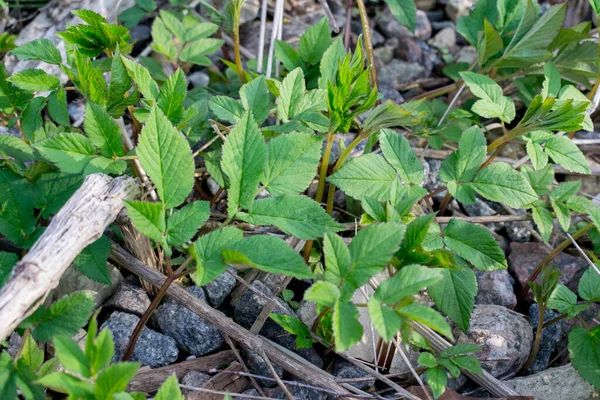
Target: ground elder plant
[{"x": 264, "y": 141}]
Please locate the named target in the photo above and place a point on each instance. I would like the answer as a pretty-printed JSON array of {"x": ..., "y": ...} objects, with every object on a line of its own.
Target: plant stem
[
  {"x": 510, "y": 135},
  {"x": 538, "y": 338},
  {"x": 359, "y": 138},
  {"x": 364, "y": 20},
  {"x": 238, "y": 58},
  {"x": 555, "y": 320}
]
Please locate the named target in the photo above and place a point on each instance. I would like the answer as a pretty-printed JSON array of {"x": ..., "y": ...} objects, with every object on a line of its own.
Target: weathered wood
[
  {"x": 288, "y": 360},
  {"x": 149, "y": 380},
  {"x": 81, "y": 221},
  {"x": 223, "y": 382}
]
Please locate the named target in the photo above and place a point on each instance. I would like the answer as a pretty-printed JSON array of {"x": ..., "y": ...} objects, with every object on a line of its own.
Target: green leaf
[
  {"x": 437, "y": 381},
  {"x": 254, "y": 96},
  {"x": 102, "y": 350},
  {"x": 39, "y": 49},
  {"x": 385, "y": 319},
  {"x": 595, "y": 6},
  {"x": 7, "y": 262},
  {"x": 294, "y": 326},
  {"x": 120, "y": 83},
  {"x": 31, "y": 355},
  {"x": 427, "y": 316},
  {"x": 16, "y": 148},
  {"x": 489, "y": 43},
  {"x": 566, "y": 153},
  {"x": 416, "y": 232},
  {"x": 244, "y": 159},
  {"x": 296, "y": 215},
  {"x": 552, "y": 84},
  {"x": 584, "y": 353},
  {"x": 226, "y": 108},
  {"x": 455, "y": 295},
  {"x": 346, "y": 328},
  {"x": 536, "y": 154},
  {"x": 323, "y": 293},
  {"x": 562, "y": 215},
  {"x": 406, "y": 282},
  {"x": 65, "y": 316},
  {"x": 105, "y": 165},
  {"x": 460, "y": 349},
  {"x": 171, "y": 96},
  {"x": 589, "y": 285},
  {"x": 539, "y": 180},
  {"x": 103, "y": 131},
  {"x": 400, "y": 155},
  {"x": 427, "y": 360},
  {"x": 292, "y": 162},
  {"x": 71, "y": 356},
  {"x": 404, "y": 11},
  {"x": 468, "y": 363},
  {"x": 314, "y": 42},
  {"x": 148, "y": 218},
  {"x": 31, "y": 119},
  {"x": 57, "y": 107},
  {"x": 165, "y": 155},
  {"x": 92, "y": 260},
  {"x": 269, "y": 254},
  {"x": 169, "y": 390},
  {"x": 71, "y": 152},
  {"x": 290, "y": 95},
  {"x": 500, "y": 182},
  {"x": 183, "y": 224},
  {"x": 493, "y": 103},
  {"x": 564, "y": 191},
  {"x": 34, "y": 80},
  {"x": 16, "y": 207},
  {"x": 114, "y": 379},
  {"x": 366, "y": 176},
  {"x": 329, "y": 62},
  {"x": 142, "y": 79},
  {"x": 63, "y": 382},
  {"x": 544, "y": 221},
  {"x": 207, "y": 253},
  {"x": 475, "y": 244},
  {"x": 565, "y": 301},
  {"x": 51, "y": 191},
  {"x": 288, "y": 55}
]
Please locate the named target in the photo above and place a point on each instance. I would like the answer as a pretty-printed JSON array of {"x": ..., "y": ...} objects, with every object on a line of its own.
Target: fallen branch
[
  {"x": 223, "y": 382},
  {"x": 81, "y": 221}
]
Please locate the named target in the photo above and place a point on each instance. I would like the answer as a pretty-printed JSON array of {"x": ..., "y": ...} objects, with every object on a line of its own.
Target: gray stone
[
  {"x": 457, "y": 8},
  {"x": 152, "y": 348},
  {"x": 194, "y": 379},
  {"x": 431, "y": 179},
  {"x": 140, "y": 35},
  {"x": 397, "y": 73},
  {"x": 249, "y": 11},
  {"x": 192, "y": 333},
  {"x": 554, "y": 384},
  {"x": 257, "y": 365},
  {"x": 467, "y": 55},
  {"x": 550, "y": 338},
  {"x": 481, "y": 208},
  {"x": 391, "y": 28},
  {"x": 199, "y": 78},
  {"x": 444, "y": 39},
  {"x": 76, "y": 109},
  {"x": 75, "y": 281},
  {"x": 504, "y": 335},
  {"x": 384, "y": 54},
  {"x": 249, "y": 392},
  {"x": 518, "y": 232},
  {"x": 250, "y": 307},
  {"x": 376, "y": 37},
  {"x": 217, "y": 290},
  {"x": 14, "y": 344},
  {"x": 423, "y": 26},
  {"x": 399, "y": 366},
  {"x": 495, "y": 287},
  {"x": 299, "y": 392},
  {"x": 345, "y": 370},
  {"x": 129, "y": 298}
]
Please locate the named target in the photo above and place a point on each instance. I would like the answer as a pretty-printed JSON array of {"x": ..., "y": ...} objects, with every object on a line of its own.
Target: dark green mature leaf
[
  {"x": 269, "y": 254},
  {"x": 34, "y": 80},
  {"x": 167, "y": 158},
  {"x": 254, "y": 96},
  {"x": 475, "y": 244},
  {"x": 400, "y": 155},
  {"x": 66, "y": 383},
  {"x": 226, "y": 108},
  {"x": 493, "y": 103},
  {"x": 31, "y": 117},
  {"x": 92, "y": 261},
  {"x": 539, "y": 180},
  {"x": 584, "y": 353},
  {"x": 291, "y": 162},
  {"x": 589, "y": 285},
  {"x": 183, "y": 224},
  {"x": 103, "y": 131},
  {"x": 207, "y": 253},
  {"x": 565, "y": 153},
  {"x": 455, "y": 294},
  {"x": 294, "y": 326},
  {"x": 346, "y": 328},
  {"x": 295, "y": 215},
  {"x": 470, "y": 25},
  {"x": 142, "y": 79},
  {"x": 468, "y": 363},
  {"x": 57, "y": 107},
  {"x": 38, "y": 49},
  {"x": 365, "y": 176},
  {"x": 71, "y": 152},
  {"x": 244, "y": 159},
  {"x": 500, "y": 182},
  {"x": 51, "y": 191},
  {"x": 314, "y": 42},
  {"x": 489, "y": 43},
  {"x": 7, "y": 262},
  {"x": 385, "y": 319},
  {"x": 171, "y": 96},
  {"x": 120, "y": 83},
  {"x": 16, "y": 207},
  {"x": 406, "y": 282},
  {"x": 405, "y": 12},
  {"x": 148, "y": 218},
  {"x": 16, "y": 148},
  {"x": 65, "y": 316},
  {"x": 329, "y": 62}
]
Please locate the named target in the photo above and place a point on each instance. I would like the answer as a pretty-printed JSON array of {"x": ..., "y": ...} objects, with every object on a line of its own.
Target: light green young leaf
[
  {"x": 468, "y": 363},
  {"x": 171, "y": 96},
  {"x": 329, "y": 62},
  {"x": 226, "y": 108},
  {"x": 254, "y": 96},
  {"x": 290, "y": 95},
  {"x": 346, "y": 328},
  {"x": 565, "y": 301},
  {"x": 536, "y": 154},
  {"x": 169, "y": 390},
  {"x": 173, "y": 24},
  {"x": 207, "y": 253},
  {"x": 552, "y": 84},
  {"x": 295, "y": 215},
  {"x": 114, "y": 379},
  {"x": 462, "y": 165},
  {"x": 544, "y": 221},
  {"x": 71, "y": 152},
  {"x": 103, "y": 131},
  {"x": 385, "y": 319},
  {"x": 427, "y": 316},
  {"x": 244, "y": 159},
  {"x": 142, "y": 79},
  {"x": 65, "y": 316},
  {"x": 92, "y": 261},
  {"x": 267, "y": 253},
  {"x": 566, "y": 153},
  {"x": 562, "y": 215},
  {"x": 294, "y": 326},
  {"x": 366, "y": 176},
  {"x": 589, "y": 285},
  {"x": 475, "y": 244},
  {"x": 71, "y": 356},
  {"x": 437, "y": 381},
  {"x": 337, "y": 258},
  {"x": 584, "y": 353},
  {"x": 427, "y": 359},
  {"x": 166, "y": 157},
  {"x": 291, "y": 162},
  {"x": 183, "y": 224},
  {"x": 500, "y": 182},
  {"x": 539, "y": 180},
  {"x": 31, "y": 355},
  {"x": 66, "y": 383},
  {"x": 34, "y": 80},
  {"x": 406, "y": 282},
  {"x": 148, "y": 218},
  {"x": 595, "y": 6},
  {"x": 38, "y": 49},
  {"x": 404, "y": 11},
  {"x": 400, "y": 155},
  {"x": 493, "y": 103},
  {"x": 323, "y": 293},
  {"x": 105, "y": 165}
]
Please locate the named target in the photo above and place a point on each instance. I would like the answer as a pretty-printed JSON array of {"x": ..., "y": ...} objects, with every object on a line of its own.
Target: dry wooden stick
[
  {"x": 223, "y": 382},
  {"x": 276, "y": 377},
  {"x": 79, "y": 222},
  {"x": 288, "y": 360},
  {"x": 243, "y": 364}
]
